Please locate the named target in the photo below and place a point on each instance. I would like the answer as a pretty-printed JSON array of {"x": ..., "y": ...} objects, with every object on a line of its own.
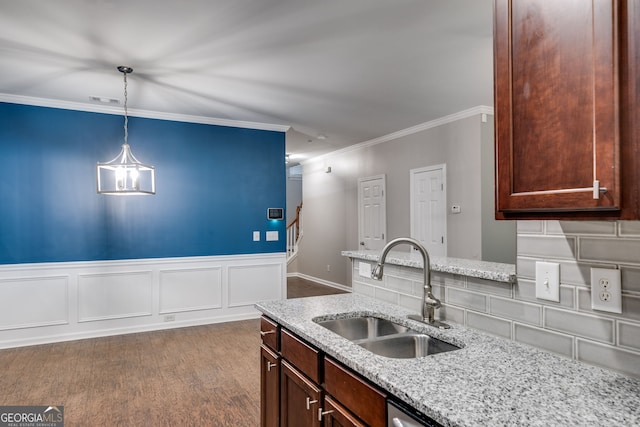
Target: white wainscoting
[{"x": 43, "y": 303}]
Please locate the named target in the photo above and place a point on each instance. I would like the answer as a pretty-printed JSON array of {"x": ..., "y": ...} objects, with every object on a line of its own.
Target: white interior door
[
  {"x": 372, "y": 212},
  {"x": 428, "y": 208}
]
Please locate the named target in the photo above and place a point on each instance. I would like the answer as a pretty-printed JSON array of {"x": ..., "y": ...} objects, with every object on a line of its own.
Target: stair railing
[{"x": 294, "y": 234}]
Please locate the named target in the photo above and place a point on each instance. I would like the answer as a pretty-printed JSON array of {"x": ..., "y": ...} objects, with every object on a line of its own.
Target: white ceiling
[{"x": 353, "y": 70}]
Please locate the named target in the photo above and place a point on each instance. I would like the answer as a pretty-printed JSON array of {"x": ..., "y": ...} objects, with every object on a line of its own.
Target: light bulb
[{"x": 121, "y": 177}]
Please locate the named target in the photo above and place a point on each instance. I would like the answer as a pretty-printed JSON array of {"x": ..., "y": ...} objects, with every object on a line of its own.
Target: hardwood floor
[
  {"x": 197, "y": 376},
  {"x": 299, "y": 288}
]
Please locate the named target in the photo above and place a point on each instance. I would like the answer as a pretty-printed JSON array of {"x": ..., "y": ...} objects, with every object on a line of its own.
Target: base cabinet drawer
[
  {"x": 304, "y": 357},
  {"x": 270, "y": 333},
  {"x": 364, "y": 400}
]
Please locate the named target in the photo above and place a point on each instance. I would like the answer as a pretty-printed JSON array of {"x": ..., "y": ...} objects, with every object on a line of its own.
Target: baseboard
[{"x": 320, "y": 281}]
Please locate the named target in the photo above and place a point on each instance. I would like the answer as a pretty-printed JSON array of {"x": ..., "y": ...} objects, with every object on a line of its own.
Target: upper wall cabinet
[{"x": 565, "y": 107}]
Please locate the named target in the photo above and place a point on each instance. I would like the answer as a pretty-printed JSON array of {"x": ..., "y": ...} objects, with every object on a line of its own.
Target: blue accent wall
[{"x": 213, "y": 187}]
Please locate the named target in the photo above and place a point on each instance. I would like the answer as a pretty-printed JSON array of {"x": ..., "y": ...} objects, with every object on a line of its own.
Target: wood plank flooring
[
  {"x": 299, "y": 288},
  {"x": 197, "y": 376}
]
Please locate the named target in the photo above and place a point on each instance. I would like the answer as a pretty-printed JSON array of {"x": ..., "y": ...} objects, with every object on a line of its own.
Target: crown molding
[
  {"x": 78, "y": 106},
  {"x": 480, "y": 109}
]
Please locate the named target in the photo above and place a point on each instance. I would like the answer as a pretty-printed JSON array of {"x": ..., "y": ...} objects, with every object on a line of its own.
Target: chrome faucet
[{"x": 429, "y": 301}]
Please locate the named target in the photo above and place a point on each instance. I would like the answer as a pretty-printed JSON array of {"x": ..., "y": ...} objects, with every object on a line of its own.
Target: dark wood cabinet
[
  {"x": 566, "y": 107},
  {"x": 269, "y": 387},
  {"x": 336, "y": 415},
  {"x": 270, "y": 333},
  {"x": 300, "y": 399},
  {"x": 362, "y": 399}
]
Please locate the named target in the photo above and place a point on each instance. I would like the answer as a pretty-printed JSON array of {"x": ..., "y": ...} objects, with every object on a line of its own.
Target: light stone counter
[
  {"x": 489, "y": 382},
  {"x": 495, "y": 271}
]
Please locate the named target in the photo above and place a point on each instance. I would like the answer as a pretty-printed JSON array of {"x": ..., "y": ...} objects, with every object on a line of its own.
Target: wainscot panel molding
[
  {"x": 52, "y": 302},
  {"x": 190, "y": 289},
  {"x": 31, "y": 302}
]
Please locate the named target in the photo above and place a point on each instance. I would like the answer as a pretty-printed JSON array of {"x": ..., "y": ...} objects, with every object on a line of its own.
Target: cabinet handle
[
  {"x": 263, "y": 333},
  {"x": 597, "y": 190},
  {"x": 271, "y": 365},
  {"x": 321, "y": 413},
  {"x": 310, "y": 402}
]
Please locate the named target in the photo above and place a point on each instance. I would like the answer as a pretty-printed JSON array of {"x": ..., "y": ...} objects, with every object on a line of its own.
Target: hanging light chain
[{"x": 126, "y": 117}]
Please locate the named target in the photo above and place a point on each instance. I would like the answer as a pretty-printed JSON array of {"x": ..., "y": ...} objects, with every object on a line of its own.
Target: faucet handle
[{"x": 432, "y": 301}]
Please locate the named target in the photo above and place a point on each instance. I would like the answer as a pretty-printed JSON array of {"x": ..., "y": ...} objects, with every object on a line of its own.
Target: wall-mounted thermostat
[{"x": 275, "y": 213}]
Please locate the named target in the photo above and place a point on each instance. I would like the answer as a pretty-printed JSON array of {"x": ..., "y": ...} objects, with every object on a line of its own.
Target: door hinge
[{"x": 442, "y": 240}]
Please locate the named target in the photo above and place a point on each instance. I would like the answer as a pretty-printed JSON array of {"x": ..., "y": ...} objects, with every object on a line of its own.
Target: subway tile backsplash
[{"x": 570, "y": 327}]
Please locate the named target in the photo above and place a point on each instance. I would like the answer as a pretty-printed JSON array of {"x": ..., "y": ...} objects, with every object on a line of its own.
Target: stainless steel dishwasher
[{"x": 400, "y": 415}]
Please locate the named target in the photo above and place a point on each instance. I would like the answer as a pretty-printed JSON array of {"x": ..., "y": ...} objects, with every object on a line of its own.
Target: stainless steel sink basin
[
  {"x": 359, "y": 328},
  {"x": 386, "y": 338},
  {"x": 407, "y": 346}
]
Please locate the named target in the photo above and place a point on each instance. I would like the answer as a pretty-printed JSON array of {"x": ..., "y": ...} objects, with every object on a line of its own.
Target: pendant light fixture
[{"x": 125, "y": 175}]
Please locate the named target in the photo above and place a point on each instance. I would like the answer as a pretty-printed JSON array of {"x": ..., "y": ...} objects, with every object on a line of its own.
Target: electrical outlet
[
  {"x": 364, "y": 269},
  {"x": 170, "y": 318},
  {"x": 606, "y": 290},
  {"x": 548, "y": 281}
]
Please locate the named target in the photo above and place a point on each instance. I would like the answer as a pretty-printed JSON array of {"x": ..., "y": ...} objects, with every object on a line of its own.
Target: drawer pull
[
  {"x": 263, "y": 333},
  {"x": 310, "y": 402},
  {"x": 321, "y": 413}
]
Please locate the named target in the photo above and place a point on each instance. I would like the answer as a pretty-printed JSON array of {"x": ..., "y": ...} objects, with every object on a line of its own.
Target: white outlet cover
[
  {"x": 548, "y": 281},
  {"x": 606, "y": 290},
  {"x": 364, "y": 269},
  {"x": 272, "y": 236}
]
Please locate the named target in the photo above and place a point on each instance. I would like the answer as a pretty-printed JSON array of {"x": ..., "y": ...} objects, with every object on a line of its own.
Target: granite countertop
[
  {"x": 495, "y": 271},
  {"x": 490, "y": 381}
]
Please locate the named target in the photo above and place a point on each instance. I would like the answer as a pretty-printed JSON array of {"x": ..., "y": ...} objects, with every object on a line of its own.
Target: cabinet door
[
  {"x": 557, "y": 106},
  {"x": 335, "y": 415},
  {"x": 299, "y": 399},
  {"x": 269, "y": 388}
]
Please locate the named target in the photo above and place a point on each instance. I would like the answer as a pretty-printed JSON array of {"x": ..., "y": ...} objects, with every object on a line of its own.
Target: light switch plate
[
  {"x": 548, "y": 281},
  {"x": 256, "y": 236},
  {"x": 606, "y": 290}
]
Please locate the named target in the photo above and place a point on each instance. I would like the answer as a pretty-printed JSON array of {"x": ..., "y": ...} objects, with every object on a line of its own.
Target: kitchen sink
[
  {"x": 407, "y": 346},
  {"x": 386, "y": 338},
  {"x": 359, "y": 328}
]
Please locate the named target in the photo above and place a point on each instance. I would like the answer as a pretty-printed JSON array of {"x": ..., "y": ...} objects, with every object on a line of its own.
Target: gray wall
[
  {"x": 498, "y": 237},
  {"x": 330, "y": 199}
]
